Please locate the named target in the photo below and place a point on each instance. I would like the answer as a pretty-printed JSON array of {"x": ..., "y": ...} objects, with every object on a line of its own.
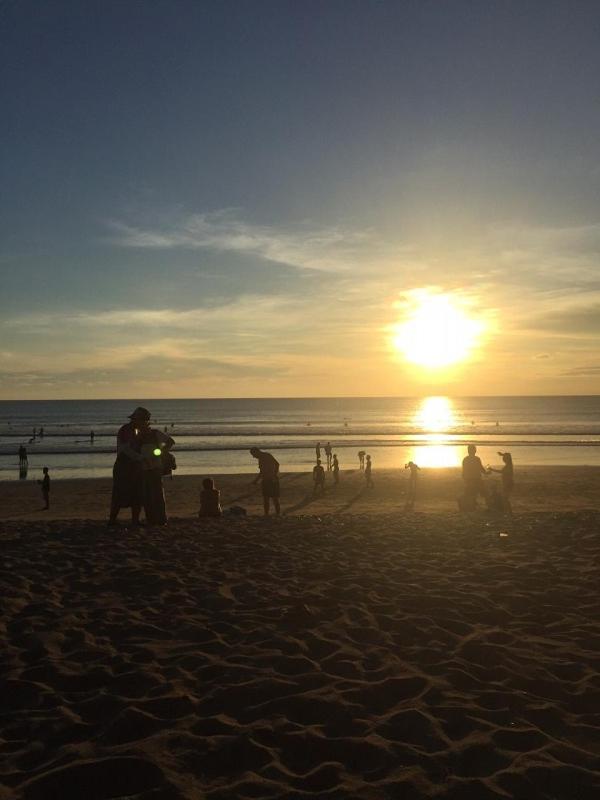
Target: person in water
[
  {"x": 472, "y": 474},
  {"x": 268, "y": 475},
  {"x": 318, "y": 478},
  {"x": 210, "y": 499},
  {"x": 507, "y": 476}
]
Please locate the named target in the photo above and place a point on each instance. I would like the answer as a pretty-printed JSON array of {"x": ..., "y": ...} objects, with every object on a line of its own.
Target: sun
[{"x": 437, "y": 333}]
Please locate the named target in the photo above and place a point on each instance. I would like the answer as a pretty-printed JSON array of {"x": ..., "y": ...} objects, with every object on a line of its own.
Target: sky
[{"x": 243, "y": 198}]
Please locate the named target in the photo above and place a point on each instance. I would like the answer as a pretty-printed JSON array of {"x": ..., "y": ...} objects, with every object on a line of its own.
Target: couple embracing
[{"x": 143, "y": 457}]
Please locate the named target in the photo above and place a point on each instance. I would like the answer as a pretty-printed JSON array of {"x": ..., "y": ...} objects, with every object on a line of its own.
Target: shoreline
[{"x": 539, "y": 488}]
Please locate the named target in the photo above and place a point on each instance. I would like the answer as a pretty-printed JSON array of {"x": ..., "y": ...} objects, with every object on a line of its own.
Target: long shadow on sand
[
  {"x": 306, "y": 501},
  {"x": 347, "y": 506}
]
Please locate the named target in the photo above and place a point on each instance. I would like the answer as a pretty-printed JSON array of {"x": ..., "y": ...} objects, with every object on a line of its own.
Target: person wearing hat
[
  {"x": 127, "y": 491},
  {"x": 508, "y": 478}
]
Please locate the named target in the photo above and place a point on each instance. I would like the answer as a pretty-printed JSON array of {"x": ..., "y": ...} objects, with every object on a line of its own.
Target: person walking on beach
[
  {"x": 361, "y": 459},
  {"x": 45, "y": 484},
  {"x": 472, "y": 474},
  {"x": 153, "y": 444},
  {"x": 269, "y": 477},
  {"x": 336, "y": 469},
  {"x": 23, "y": 456},
  {"x": 412, "y": 484},
  {"x": 127, "y": 470},
  {"x": 210, "y": 499},
  {"x": 508, "y": 481},
  {"x": 328, "y": 455},
  {"x": 368, "y": 470},
  {"x": 318, "y": 478}
]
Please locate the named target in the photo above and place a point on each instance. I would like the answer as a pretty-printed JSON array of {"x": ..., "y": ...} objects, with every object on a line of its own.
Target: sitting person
[{"x": 210, "y": 505}]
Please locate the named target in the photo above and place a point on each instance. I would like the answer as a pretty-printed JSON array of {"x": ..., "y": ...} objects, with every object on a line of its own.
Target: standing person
[
  {"x": 41, "y": 433},
  {"x": 336, "y": 469},
  {"x": 328, "y": 455},
  {"x": 412, "y": 483},
  {"x": 318, "y": 450},
  {"x": 22, "y": 456},
  {"x": 361, "y": 459},
  {"x": 318, "y": 478},
  {"x": 269, "y": 476},
  {"x": 210, "y": 499},
  {"x": 472, "y": 475},
  {"x": 92, "y": 437},
  {"x": 127, "y": 471},
  {"x": 153, "y": 443},
  {"x": 45, "y": 484},
  {"x": 508, "y": 479},
  {"x": 368, "y": 468}
]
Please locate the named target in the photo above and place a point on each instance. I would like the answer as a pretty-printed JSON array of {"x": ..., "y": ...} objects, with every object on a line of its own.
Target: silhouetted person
[
  {"x": 472, "y": 474},
  {"x": 45, "y": 484},
  {"x": 153, "y": 445},
  {"x": 92, "y": 437},
  {"x": 368, "y": 471},
  {"x": 318, "y": 478},
  {"x": 34, "y": 433},
  {"x": 210, "y": 497},
  {"x": 269, "y": 477},
  {"x": 508, "y": 480},
  {"x": 336, "y": 469},
  {"x": 318, "y": 450},
  {"x": 22, "y": 456},
  {"x": 128, "y": 482},
  {"x": 361, "y": 459},
  {"x": 41, "y": 433},
  {"x": 412, "y": 483},
  {"x": 23, "y": 471},
  {"x": 328, "y": 454}
]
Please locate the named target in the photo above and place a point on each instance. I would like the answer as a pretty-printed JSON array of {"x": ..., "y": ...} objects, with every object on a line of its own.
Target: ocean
[{"x": 214, "y": 436}]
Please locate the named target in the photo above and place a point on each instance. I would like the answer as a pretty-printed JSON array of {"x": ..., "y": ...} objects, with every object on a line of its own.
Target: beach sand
[{"x": 345, "y": 650}]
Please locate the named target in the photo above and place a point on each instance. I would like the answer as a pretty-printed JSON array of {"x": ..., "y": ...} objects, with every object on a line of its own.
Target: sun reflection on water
[{"x": 435, "y": 416}]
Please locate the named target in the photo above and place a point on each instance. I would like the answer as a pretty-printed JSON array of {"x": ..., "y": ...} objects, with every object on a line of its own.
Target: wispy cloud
[{"x": 330, "y": 249}]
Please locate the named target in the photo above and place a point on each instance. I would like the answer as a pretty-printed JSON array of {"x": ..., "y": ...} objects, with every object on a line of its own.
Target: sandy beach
[{"x": 345, "y": 650}]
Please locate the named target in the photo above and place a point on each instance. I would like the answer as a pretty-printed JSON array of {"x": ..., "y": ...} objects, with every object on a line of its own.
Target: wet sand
[{"x": 345, "y": 650}]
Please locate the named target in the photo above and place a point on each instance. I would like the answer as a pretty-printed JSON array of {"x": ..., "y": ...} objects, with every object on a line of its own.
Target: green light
[{"x": 157, "y": 451}]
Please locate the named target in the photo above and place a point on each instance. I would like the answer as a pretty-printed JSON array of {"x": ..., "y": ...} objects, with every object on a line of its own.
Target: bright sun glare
[{"x": 437, "y": 333}]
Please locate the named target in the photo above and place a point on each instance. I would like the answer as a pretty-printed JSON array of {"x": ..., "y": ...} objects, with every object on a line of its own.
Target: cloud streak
[{"x": 329, "y": 249}]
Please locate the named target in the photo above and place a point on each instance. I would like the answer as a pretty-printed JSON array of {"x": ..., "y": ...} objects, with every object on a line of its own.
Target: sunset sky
[{"x": 249, "y": 198}]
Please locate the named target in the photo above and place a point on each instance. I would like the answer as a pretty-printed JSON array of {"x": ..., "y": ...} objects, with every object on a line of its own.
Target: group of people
[{"x": 143, "y": 458}]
